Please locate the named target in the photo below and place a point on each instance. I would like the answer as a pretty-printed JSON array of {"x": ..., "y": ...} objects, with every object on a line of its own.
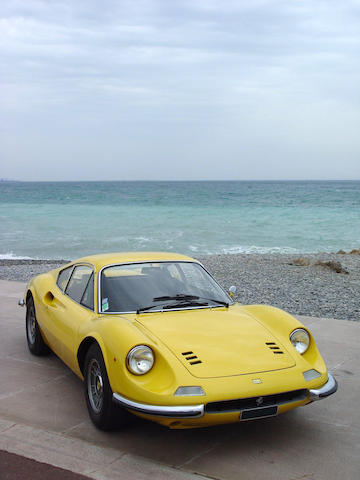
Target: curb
[{"x": 81, "y": 457}]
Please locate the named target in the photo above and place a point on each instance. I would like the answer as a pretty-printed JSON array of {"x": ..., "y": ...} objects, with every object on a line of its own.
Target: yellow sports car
[{"x": 155, "y": 335}]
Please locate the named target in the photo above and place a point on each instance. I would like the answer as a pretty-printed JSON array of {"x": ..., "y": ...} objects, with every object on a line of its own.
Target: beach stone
[{"x": 261, "y": 279}]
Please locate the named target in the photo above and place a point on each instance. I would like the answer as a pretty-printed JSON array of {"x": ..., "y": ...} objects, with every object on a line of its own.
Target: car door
[
  {"x": 53, "y": 304},
  {"x": 71, "y": 311}
]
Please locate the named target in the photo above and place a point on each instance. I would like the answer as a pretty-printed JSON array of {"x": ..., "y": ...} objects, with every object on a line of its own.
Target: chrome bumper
[
  {"x": 194, "y": 411},
  {"x": 329, "y": 388},
  {"x": 185, "y": 411}
]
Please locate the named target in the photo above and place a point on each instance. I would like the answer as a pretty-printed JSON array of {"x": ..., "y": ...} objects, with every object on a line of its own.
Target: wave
[
  {"x": 257, "y": 249},
  {"x": 11, "y": 256}
]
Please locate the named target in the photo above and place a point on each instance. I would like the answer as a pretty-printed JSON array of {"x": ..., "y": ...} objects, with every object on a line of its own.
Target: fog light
[
  {"x": 189, "y": 391},
  {"x": 311, "y": 374}
]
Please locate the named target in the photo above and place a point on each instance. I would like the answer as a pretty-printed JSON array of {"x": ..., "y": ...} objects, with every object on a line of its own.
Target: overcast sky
[{"x": 179, "y": 89}]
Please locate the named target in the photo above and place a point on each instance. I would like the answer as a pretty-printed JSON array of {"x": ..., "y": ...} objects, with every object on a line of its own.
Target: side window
[
  {"x": 63, "y": 278},
  {"x": 88, "y": 296},
  {"x": 78, "y": 282}
]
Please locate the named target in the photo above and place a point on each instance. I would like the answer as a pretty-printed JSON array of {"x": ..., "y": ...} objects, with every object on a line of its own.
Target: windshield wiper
[
  {"x": 179, "y": 296},
  {"x": 182, "y": 300},
  {"x": 220, "y": 302},
  {"x": 144, "y": 309},
  {"x": 183, "y": 296},
  {"x": 186, "y": 303}
]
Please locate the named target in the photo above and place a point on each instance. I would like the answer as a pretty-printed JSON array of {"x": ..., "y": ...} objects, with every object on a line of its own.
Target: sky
[{"x": 179, "y": 89}]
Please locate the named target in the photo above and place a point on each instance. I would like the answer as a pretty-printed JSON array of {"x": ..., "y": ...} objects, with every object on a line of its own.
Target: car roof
[{"x": 104, "y": 259}]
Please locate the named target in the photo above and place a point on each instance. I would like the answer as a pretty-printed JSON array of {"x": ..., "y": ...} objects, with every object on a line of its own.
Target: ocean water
[{"x": 71, "y": 219}]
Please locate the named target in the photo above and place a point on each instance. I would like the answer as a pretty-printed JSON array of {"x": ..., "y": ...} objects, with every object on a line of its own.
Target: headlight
[
  {"x": 140, "y": 360},
  {"x": 300, "y": 340}
]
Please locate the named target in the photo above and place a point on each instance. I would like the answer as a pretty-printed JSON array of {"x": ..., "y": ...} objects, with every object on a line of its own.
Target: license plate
[{"x": 258, "y": 413}]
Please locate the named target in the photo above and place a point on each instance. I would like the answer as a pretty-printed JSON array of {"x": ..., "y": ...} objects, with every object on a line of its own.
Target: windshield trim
[{"x": 100, "y": 312}]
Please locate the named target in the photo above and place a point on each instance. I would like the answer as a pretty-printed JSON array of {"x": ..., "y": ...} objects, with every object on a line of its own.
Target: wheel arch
[
  {"x": 31, "y": 291},
  {"x": 29, "y": 294},
  {"x": 84, "y": 347}
]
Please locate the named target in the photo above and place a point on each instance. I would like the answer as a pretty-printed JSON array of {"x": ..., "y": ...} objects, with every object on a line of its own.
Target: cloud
[{"x": 145, "y": 78}]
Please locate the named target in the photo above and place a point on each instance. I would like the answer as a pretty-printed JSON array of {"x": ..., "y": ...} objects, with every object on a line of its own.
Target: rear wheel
[
  {"x": 35, "y": 342},
  {"x": 104, "y": 413}
]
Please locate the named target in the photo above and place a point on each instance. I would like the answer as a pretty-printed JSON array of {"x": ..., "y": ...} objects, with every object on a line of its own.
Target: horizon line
[{"x": 5, "y": 180}]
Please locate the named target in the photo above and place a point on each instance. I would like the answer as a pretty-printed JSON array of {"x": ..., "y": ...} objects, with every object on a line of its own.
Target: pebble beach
[{"x": 319, "y": 285}]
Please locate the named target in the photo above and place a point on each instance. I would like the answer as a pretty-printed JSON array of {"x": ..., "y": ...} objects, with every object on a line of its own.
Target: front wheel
[
  {"x": 35, "y": 342},
  {"x": 104, "y": 413}
]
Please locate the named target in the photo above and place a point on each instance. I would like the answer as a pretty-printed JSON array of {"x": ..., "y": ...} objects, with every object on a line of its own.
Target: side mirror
[{"x": 232, "y": 291}]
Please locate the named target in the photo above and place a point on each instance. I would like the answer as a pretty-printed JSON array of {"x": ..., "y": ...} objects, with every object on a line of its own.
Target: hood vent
[
  {"x": 274, "y": 348},
  {"x": 191, "y": 358}
]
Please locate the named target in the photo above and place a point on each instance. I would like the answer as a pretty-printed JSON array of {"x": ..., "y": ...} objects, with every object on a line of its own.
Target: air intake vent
[
  {"x": 191, "y": 358},
  {"x": 274, "y": 348}
]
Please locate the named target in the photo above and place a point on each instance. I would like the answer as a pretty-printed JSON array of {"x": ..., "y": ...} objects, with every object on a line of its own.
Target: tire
[
  {"x": 104, "y": 413},
  {"x": 35, "y": 342}
]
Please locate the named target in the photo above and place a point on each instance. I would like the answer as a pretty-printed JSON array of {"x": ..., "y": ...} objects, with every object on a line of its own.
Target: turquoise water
[{"x": 72, "y": 219}]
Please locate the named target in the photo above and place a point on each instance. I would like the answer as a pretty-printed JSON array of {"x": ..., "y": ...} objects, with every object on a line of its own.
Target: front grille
[{"x": 256, "y": 402}]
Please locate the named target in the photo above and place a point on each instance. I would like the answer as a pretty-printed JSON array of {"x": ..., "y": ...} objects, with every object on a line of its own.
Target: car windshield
[{"x": 156, "y": 286}]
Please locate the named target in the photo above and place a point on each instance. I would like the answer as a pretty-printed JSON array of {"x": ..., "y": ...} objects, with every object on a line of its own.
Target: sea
[{"x": 67, "y": 220}]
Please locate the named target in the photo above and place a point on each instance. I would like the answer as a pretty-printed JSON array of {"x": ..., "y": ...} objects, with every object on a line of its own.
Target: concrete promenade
[{"x": 43, "y": 416}]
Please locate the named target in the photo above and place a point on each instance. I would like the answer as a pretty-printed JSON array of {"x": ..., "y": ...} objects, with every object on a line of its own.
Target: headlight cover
[
  {"x": 300, "y": 340},
  {"x": 140, "y": 360}
]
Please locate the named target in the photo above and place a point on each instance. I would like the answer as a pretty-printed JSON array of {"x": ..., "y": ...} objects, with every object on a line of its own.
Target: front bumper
[
  {"x": 329, "y": 388},
  {"x": 197, "y": 411},
  {"x": 184, "y": 411}
]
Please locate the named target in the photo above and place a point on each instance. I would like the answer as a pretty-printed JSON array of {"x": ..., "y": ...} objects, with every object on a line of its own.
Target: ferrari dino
[{"x": 155, "y": 335}]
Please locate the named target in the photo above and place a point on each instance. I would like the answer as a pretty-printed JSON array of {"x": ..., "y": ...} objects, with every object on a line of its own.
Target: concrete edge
[{"x": 79, "y": 456}]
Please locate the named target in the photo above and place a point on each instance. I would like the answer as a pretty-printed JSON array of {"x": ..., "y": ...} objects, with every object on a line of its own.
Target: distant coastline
[{"x": 144, "y": 180}]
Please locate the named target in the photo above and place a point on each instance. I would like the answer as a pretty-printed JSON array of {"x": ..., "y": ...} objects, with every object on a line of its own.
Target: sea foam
[{"x": 11, "y": 256}]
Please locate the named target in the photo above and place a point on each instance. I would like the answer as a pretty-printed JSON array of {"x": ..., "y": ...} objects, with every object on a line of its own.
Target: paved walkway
[{"x": 43, "y": 416}]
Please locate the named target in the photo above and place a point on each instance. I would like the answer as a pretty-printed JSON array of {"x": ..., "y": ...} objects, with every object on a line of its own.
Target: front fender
[
  {"x": 282, "y": 324},
  {"x": 274, "y": 318},
  {"x": 116, "y": 336}
]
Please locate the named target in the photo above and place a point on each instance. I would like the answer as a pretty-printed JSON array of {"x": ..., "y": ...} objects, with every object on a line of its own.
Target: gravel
[
  {"x": 23, "y": 270},
  {"x": 275, "y": 279}
]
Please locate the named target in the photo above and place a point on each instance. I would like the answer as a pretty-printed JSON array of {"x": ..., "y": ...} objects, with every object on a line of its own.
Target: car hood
[{"x": 218, "y": 342}]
